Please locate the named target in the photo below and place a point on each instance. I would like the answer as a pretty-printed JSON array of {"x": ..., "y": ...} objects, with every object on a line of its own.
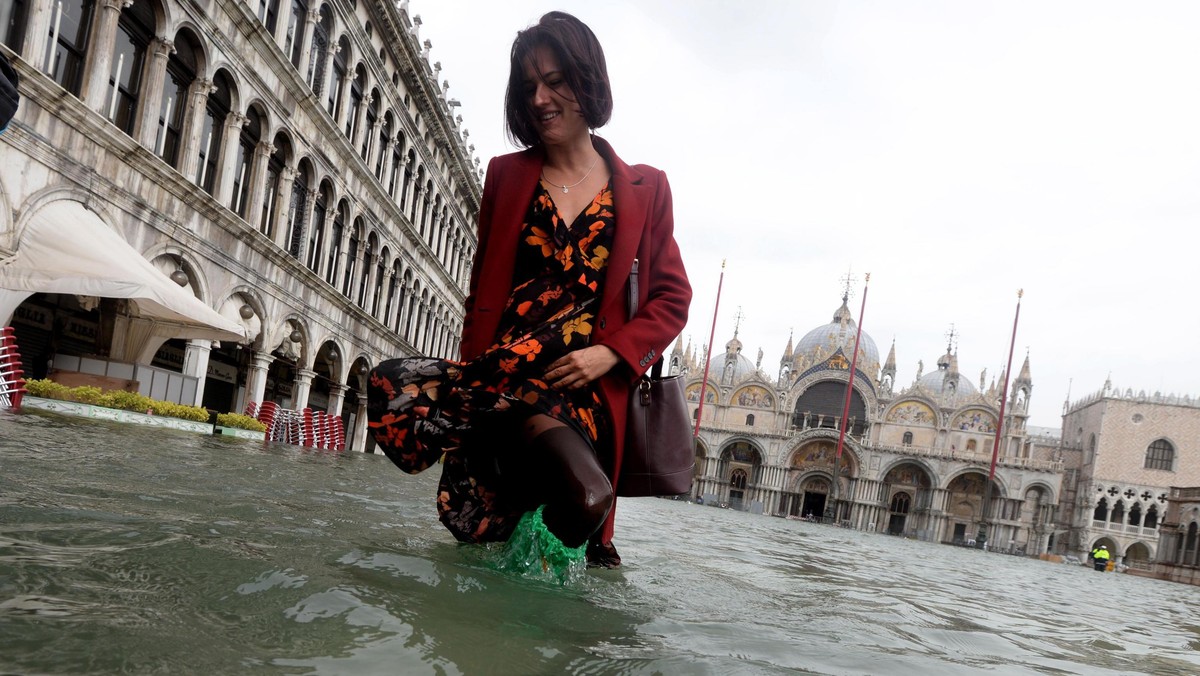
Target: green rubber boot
[{"x": 535, "y": 552}]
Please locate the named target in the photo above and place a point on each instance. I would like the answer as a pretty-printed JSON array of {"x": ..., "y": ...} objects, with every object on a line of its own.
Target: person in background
[
  {"x": 530, "y": 424},
  {"x": 9, "y": 98},
  {"x": 1100, "y": 557}
]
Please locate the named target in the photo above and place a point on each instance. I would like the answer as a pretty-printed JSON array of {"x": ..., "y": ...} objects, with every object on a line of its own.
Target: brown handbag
[{"x": 659, "y": 457}]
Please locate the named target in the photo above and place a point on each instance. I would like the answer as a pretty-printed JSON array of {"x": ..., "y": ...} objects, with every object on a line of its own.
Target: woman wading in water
[{"x": 530, "y": 423}]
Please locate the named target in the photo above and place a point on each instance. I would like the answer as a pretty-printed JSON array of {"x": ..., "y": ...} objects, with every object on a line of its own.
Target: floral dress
[{"x": 466, "y": 414}]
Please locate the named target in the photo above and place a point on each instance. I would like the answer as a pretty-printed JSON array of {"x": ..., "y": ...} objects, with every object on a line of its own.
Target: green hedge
[
  {"x": 118, "y": 399},
  {"x": 240, "y": 421}
]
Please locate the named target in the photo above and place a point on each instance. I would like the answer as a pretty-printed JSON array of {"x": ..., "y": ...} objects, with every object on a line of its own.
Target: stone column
[
  {"x": 282, "y": 19},
  {"x": 327, "y": 76},
  {"x": 193, "y": 127},
  {"x": 337, "y": 395},
  {"x": 195, "y": 363},
  {"x": 344, "y": 99},
  {"x": 258, "y": 184},
  {"x": 304, "y": 222},
  {"x": 359, "y": 123},
  {"x": 277, "y": 230},
  {"x": 339, "y": 272},
  {"x": 360, "y": 425},
  {"x": 256, "y": 383},
  {"x": 371, "y": 291},
  {"x": 310, "y": 21},
  {"x": 386, "y": 175},
  {"x": 385, "y": 303},
  {"x": 37, "y": 33},
  {"x": 154, "y": 74},
  {"x": 231, "y": 137},
  {"x": 374, "y": 149},
  {"x": 97, "y": 69},
  {"x": 301, "y": 388}
]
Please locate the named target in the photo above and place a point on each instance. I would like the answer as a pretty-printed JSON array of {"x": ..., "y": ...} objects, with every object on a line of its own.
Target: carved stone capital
[{"x": 163, "y": 48}]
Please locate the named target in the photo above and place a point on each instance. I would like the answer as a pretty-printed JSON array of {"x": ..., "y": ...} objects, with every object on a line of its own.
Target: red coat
[{"x": 644, "y": 230}]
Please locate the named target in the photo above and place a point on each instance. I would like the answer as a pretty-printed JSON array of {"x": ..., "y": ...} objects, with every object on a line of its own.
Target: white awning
[{"x": 67, "y": 249}]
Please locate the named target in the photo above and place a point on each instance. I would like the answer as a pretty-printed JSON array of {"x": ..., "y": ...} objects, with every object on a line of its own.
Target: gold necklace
[{"x": 566, "y": 188}]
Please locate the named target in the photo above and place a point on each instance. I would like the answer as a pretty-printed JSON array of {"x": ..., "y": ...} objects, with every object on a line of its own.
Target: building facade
[
  {"x": 1124, "y": 452},
  {"x": 295, "y": 166},
  {"x": 915, "y": 460}
]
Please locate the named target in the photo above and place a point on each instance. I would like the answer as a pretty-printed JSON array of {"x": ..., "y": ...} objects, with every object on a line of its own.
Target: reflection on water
[{"x": 126, "y": 549}]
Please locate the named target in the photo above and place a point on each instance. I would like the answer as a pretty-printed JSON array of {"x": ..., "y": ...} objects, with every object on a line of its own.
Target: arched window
[
  {"x": 365, "y": 272},
  {"x": 12, "y": 24},
  {"x": 318, "y": 52},
  {"x": 335, "y": 244},
  {"x": 907, "y": 439},
  {"x": 248, "y": 140},
  {"x": 695, "y": 414},
  {"x": 391, "y": 311},
  {"x": 73, "y": 21},
  {"x": 750, "y": 420},
  {"x": 1101, "y": 512},
  {"x": 357, "y": 85},
  {"x": 971, "y": 446},
  {"x": 378, "y": 298},
  {"x": 385, "y": 137},
  {"x": 135, "y": 31},
  {"x": 181, "y": 73},
  {"x": 340, "y": 68},
  {"x": 212, "y": 132},
  {"x": 297, "y": 211},
  {"x": 901, "y": 503},
  {"x": 410, "y": 315},
  {"x": 316, "y": 234},
  {"x": 1160, "y": 455},
  {"x": 426, "y": 203},
  {"x": 397, "y": 161},
  {"x": 268, "y": 13},
  {"x": 738, "y": 479},
  {"x": 1152, "y": 517},
  {"x": 294, "y": 46},
  {"x": 408, "y": 167},
  {"x": 372, "y": 117},
  {"x": 1118, "y": 512}
]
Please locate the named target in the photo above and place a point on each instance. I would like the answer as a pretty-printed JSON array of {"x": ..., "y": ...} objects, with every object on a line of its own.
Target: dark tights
[{"x": 561, "y": 471}]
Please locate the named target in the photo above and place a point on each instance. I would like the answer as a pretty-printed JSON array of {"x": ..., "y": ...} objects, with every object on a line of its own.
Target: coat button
[{"x": 602, "y": 322}]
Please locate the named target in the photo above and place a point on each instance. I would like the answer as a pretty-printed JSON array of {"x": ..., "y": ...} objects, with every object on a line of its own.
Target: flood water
[{"x": 125, "y": 549}]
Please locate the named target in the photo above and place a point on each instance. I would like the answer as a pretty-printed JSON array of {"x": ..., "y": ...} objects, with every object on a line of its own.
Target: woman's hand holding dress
[{"x": 576, "y": 369}]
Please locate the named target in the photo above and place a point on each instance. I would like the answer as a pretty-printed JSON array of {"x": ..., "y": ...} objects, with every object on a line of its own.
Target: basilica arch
[
  {"x": 739, "y": 468},
  {"x": 809, "y": 486},
  {"x": 964, "y": 503},
  {"x": 908, "y": 493}
]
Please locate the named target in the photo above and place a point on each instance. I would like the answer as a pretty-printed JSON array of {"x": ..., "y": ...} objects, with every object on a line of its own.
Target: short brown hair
[{"x": 582, "y": 61}]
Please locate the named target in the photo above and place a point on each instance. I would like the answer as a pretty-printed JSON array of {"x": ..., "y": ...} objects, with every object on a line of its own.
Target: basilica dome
[
  {"x": 934, "y": 382},
  {"x": 742, "y": 368},
  {"x": 838, "y": 333}
]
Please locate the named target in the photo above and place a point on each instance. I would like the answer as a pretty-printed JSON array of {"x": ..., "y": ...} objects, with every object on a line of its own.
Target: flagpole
[
  {"x": 708, "y": 353},
  {"x": 981, "y": 538},
  {"x": 837, "y": 458}
]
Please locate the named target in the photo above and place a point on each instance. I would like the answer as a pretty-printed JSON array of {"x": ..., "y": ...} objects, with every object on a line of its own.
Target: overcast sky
[{"x": 957, "y": 151}]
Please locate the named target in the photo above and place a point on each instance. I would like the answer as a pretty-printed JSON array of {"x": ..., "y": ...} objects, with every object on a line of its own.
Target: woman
[{"x": 530, "y": 424}]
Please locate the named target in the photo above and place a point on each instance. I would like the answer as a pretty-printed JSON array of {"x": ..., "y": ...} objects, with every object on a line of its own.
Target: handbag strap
[{"x": 656, "y": 369}]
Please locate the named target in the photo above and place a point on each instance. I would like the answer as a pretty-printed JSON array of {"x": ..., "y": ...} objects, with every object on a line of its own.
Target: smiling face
[{"x": 553, "y": 107}]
